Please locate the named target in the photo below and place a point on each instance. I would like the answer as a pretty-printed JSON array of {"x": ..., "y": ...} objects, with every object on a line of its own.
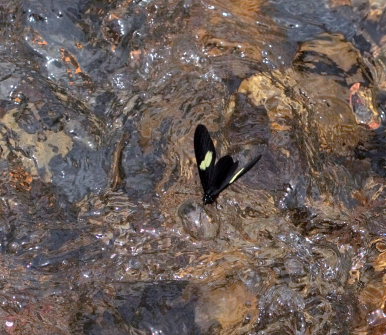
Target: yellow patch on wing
[
  {"x": 235, "y": 176},
  {"x": 207, "y": 160}
]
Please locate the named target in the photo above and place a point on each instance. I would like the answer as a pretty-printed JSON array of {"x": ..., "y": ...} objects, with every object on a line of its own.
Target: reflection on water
[{"x": 102, "y": 227}]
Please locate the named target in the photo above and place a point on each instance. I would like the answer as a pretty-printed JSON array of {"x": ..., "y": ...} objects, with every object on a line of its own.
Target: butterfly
[{"x": 215, "y": 177}]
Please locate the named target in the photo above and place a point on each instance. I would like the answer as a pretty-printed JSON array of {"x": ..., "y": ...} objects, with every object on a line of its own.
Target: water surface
[{"x": 102, "y": 228}]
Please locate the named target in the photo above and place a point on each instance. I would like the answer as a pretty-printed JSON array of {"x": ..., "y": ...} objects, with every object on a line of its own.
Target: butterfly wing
[
  {"x": 225, "y": 173},
  {"x": 205, "y": 156},
  {"x": 244, "y": 170},
  {"x": 224, "y": 170},
  {"x": 215, "y": 177}
]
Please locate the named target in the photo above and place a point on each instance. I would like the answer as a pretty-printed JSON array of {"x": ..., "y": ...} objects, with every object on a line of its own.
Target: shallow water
[{"x": 102, "y": 227}]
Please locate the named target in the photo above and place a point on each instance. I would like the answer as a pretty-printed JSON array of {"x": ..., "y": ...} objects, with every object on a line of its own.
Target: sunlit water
[{"x": 102, "y": 226}]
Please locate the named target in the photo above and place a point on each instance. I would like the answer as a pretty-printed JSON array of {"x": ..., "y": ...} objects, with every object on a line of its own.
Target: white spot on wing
[{"x": 207, "y": 160}]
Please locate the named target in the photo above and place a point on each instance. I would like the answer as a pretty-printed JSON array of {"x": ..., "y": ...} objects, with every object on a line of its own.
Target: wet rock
[
  {"x": 98, "y": 105},
  {"x": 227, "y": 307},
  {"x": 363, "y": 107},
  {"x": 160, "y": 307},
  {"x": 72, "y": 173},
  {"x": 279, "y": 300},
  {"x": 197, "y": 222}
]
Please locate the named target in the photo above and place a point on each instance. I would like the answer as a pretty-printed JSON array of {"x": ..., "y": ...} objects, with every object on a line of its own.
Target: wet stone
[{"x": 197, "y": 222}]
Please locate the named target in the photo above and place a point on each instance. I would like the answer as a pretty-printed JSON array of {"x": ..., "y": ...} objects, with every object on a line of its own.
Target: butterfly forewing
[{"x": 205, "y": 156}]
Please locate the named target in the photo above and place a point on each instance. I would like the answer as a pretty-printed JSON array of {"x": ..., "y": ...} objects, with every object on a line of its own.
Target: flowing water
[{"x": 102, "y": 226}]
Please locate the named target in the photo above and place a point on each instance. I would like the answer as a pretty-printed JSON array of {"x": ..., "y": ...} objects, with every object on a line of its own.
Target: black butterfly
[{"x": 215, "y": 177}]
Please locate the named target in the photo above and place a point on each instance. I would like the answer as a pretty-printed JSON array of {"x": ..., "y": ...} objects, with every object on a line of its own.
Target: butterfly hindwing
[
  {"x": 244, "y": 170},
  {"x": 224, "y": 170},
  {"x": 225, "y": 173},
  {"x": 205, "y": 156}
]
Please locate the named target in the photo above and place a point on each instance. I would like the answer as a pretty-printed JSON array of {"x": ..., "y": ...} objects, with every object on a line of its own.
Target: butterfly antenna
[{"x": 177, "y": 192}]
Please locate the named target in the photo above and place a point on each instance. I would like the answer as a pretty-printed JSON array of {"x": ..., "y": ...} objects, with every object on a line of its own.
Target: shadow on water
[{"x": 102, "y": 229}]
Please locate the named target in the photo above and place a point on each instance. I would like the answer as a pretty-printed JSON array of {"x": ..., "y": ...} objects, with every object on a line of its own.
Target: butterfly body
[{"x": 215, "y": 177}]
